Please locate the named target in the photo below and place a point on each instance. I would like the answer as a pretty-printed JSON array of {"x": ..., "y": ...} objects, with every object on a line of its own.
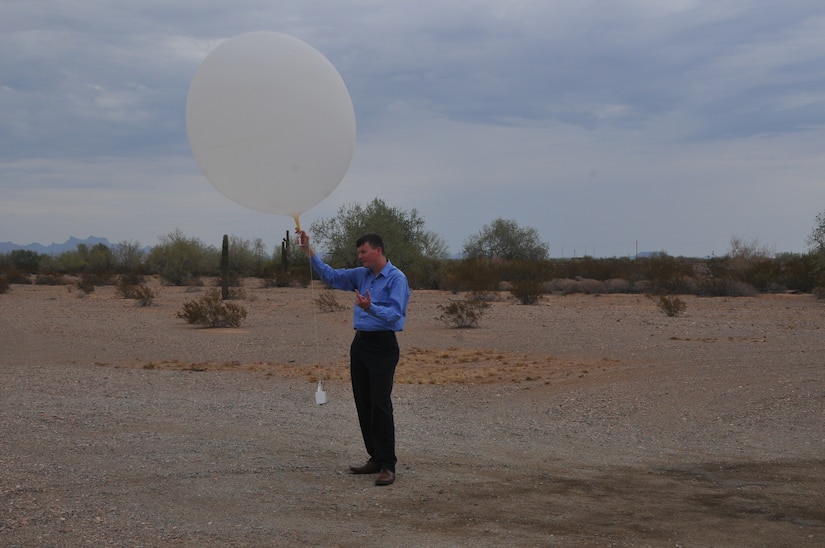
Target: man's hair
[{"x": 373, "y": 239}]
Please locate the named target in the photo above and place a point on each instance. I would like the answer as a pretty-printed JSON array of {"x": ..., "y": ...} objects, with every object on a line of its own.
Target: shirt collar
[{"x": 385, "y": 269}]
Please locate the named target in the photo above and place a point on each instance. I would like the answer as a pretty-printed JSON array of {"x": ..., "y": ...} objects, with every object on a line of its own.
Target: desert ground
[{"x": 584, "y": 420}]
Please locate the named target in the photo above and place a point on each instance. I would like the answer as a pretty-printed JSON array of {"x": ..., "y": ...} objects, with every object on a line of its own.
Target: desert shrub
[
  {"x": 486, "y": 296},
  {"x": 130, "y": 278},
  {"x": 49, "y": 279},
  {"x": 211, "y": 311},
  {"x": 471, "y": 275},
  {"x": 244, "y": 258},
  {"x": 565, "y": 286},
  {"x": 589, "y": 286},
  {"x": 527, "y": 291},
  {"x": 671, "y": 306},
  {"x": 568, "y": 287},
  {"x": 819, "y": 292},
  {"x": 615, "y": 285},
  {"x": 292, "y": 278},
  {"x": 13, "y": 275},
  {"x": 597, "y": 269},
  {"x": 426, "y": 273},
  {"x": 234, "y": 294},
  {"x": 86, "y": 283},
  {"x": 666, "y": 273},
  {"x": 143, "y": 295},
  {"x": 465, "y": 313},
  {"x": 327, "y": 302},
  {"x": 127, "y": 289},
  {"x": 798, "y": 272},
  {"x": 100, "y": 260},
  {"x": 4, "y": 283},
  {"x": 724, "y": 287}
]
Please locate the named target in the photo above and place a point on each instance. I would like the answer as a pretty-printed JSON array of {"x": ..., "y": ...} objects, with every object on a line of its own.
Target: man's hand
[
  {"x": 363, "y": 301},
  {"x": 303, "y": 238}
]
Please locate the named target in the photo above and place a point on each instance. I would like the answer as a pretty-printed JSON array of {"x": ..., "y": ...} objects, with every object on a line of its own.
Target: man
[{"x": 381, "y": 297}]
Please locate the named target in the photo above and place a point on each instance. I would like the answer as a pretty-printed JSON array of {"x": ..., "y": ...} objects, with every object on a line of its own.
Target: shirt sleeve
[{"x": 338, "y": 278}]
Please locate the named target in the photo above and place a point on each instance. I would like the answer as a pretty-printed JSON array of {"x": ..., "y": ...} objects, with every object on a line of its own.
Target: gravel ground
[{"x": 582, "y": 421}]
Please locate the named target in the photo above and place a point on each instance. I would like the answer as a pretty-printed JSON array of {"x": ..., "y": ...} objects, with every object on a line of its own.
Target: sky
[{"x": 608, "y": 126}]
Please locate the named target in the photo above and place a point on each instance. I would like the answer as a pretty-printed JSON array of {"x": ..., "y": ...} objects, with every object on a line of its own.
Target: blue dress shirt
[{"x": 389, "y": 294}]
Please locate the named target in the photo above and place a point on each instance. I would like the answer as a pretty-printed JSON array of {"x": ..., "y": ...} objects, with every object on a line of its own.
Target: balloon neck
[{"x": 297, "y": 222}]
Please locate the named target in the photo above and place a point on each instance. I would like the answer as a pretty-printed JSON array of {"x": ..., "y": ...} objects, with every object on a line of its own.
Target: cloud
[{"x": 676, "y": 122}]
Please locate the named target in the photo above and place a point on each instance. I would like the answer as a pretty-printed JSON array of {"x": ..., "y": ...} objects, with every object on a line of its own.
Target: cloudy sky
[{"x": 676, "y": 124}]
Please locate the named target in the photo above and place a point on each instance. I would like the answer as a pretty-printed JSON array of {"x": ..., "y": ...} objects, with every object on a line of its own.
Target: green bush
[{"x": 211, "y": 311}]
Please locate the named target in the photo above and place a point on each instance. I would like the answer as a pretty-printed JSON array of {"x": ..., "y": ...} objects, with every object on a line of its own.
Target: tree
[
  {"x": 180, "y": 260},
  {"x": 100, "y": 259},
  {"x": 816, "y": 240},
  {"x": 129, "y": 255},
  {"x": 403, "y": 232},
  {"x": 24, "y": 260},
  {"x": 504, "y": 239}
]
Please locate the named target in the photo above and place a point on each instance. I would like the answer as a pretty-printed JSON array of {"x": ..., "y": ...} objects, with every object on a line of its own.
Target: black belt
[{"x": 373, "y": 334}]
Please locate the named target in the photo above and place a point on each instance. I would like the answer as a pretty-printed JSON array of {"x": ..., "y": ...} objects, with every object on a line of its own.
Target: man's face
[{"x": 368, "y": 255}]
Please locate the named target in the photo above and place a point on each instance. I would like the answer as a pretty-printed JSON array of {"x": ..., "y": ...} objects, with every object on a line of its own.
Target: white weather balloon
[{"x": 270, "y": 123}]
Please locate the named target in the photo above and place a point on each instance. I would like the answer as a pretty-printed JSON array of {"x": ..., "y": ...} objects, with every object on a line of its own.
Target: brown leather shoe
[
  {"x": 370, "y": 467},
  {"x": 386, "y": 477}
]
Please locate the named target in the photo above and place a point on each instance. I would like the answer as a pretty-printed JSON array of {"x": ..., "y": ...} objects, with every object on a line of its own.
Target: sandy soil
[{"x": 582, "y": 421}]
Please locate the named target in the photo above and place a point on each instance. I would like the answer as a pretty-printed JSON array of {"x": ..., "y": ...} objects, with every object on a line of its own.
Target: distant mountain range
[{"x": 54, "y": 248}]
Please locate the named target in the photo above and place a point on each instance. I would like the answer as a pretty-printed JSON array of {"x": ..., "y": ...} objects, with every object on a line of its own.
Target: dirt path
[{"x": 584, "y": 421}]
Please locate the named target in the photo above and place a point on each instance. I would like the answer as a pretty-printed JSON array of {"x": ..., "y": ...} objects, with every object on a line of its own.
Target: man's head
[
  {"x": 371, "y": 252},
  {"x": 374, "y": 240}
]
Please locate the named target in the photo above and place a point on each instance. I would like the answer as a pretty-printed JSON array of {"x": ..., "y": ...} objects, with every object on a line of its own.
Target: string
[{"x": 316, "y": 336}]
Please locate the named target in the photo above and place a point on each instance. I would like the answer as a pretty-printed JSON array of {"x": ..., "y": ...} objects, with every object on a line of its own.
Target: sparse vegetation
[
  {"x": 50, "y": 279},
  {"x": 465, "y": 313},
  {"x": 130, "y": 287},
  {"x": 502, "y": 257},
  {"x": 211, "y": 311},
  {"x": 86, "y": 283},
  {"x": 527, "y": 291},
  {"x": 234, "y": 294},
  {"x": 327, "y": 302},
  {"x": 671, "y": 306}
]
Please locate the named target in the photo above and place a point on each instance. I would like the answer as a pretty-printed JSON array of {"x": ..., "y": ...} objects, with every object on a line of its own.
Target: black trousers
[{"x": 373, "y": 358}]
